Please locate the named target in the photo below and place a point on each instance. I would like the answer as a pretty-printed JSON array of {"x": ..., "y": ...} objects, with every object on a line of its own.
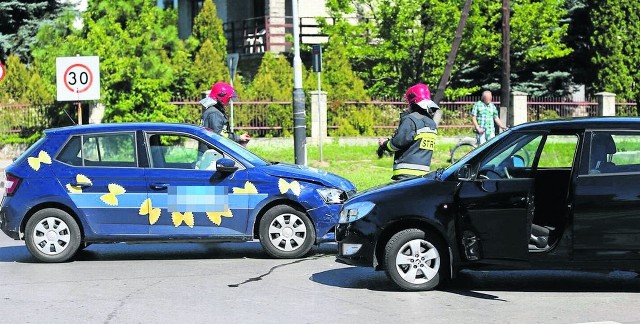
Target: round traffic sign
[
  {"x": 78, "y": 78},
  {"x": 3, "y": 71}
]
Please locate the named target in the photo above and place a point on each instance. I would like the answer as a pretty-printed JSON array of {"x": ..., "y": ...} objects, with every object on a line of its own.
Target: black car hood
[
  {"x": 396, "y": 186},
  {"x": 304, "y": 173}
]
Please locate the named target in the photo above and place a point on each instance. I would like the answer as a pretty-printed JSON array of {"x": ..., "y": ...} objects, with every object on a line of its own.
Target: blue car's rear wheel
[
  {"x": 285, "y": 232},
  {"x": 52, "y": 235}
]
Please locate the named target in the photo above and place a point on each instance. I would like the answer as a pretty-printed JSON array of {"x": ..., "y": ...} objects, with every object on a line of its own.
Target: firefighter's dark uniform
[
  {"x": 413, "y": 144},
  {"x": 216, "y": 120}
]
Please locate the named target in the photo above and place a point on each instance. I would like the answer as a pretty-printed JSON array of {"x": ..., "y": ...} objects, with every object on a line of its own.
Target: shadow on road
[
  {"x": 16, "y": 254},
  {"x": 469, "y": 282},
  {"x": 159, "y": 251}
]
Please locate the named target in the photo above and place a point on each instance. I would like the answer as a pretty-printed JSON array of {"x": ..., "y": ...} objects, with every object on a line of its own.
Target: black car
[{"x": 561, "y": 194}]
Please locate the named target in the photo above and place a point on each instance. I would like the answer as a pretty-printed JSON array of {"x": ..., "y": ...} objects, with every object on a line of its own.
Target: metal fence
[
  {"x": 23, "y": 119},
  {"x": 375, "y": 117}
]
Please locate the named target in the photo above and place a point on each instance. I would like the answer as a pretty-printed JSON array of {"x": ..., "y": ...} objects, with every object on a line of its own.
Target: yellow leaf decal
[
  {"x": 111, "y": 197},
  {"x": 80, "y": 179},
  {"x": 34, "y": 162},
  {"x": 284, "y": 186},
  {"x": 178, "y": 218},
  {"x": 147, "y": 209},
  {"x": 216, "y": 217},
  {"x": 249, "y": 188}
]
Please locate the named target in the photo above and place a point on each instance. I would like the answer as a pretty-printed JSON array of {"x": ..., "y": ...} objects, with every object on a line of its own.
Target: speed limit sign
[{"x": 78, "y": 78}]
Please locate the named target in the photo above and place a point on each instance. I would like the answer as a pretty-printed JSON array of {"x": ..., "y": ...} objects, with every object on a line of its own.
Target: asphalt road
[{"x": 238, "y": 283}]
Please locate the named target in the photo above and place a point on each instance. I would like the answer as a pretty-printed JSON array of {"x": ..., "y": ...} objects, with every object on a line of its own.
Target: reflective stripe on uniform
[
  {"x": 390, "y": 147},
  {"x": 412, "y": 166},
  {"x": 427, "y": 129},
  {"x": 409, "y": 172}
]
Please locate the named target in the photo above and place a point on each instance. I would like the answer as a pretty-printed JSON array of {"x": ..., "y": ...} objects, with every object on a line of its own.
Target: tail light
[{"x": 11, "y": 184}]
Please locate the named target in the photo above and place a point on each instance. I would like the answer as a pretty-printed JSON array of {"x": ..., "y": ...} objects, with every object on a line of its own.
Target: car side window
[
  {"x": 177, "y": 151},
  {"x": 70, "y": 153},
  {"x": 612, "y": 152},
  {"x": 512, "y": 161},
  {"x": 558, "y": 151},
  {"x": 110, "y": 150}
]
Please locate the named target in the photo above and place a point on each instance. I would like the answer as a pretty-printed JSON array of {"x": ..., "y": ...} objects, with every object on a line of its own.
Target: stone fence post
[
  {"x": 318, "y": 113},
  {"x": 518, "y": 113},
  {"x": 606, "y": 104}
]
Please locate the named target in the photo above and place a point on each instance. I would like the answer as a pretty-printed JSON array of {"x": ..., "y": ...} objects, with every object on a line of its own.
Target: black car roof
[{"x": 581, "y": 123}]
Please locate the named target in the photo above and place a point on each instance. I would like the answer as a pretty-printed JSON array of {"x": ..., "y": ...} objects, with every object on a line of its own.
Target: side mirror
[
  {"x": 517, "y": 161},
  {"x": 464, "y": 173},
  {"x": 226, "y": 165}
]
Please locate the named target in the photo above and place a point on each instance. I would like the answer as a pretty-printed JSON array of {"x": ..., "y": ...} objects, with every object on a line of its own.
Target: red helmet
[
  {"x": 222, "y": 92},
  {"x": 417, "y": 93}
]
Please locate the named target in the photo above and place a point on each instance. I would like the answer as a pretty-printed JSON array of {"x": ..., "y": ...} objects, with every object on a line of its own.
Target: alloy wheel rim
[{"x": 417, "y": 261}]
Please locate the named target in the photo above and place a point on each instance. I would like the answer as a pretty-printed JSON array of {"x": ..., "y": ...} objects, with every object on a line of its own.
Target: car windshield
[
  {"x": 238, "y": 149},
  {"x": 454, "y": 167}
]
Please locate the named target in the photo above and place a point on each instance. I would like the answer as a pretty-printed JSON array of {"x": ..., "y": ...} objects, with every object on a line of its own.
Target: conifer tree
[{"x": 210, "y": 58}]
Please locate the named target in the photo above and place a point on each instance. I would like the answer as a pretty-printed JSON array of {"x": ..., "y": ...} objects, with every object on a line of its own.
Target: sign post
[
  {"x": 77, "y": 79},
  {"x": 232, "y": 63},
  {"x": 316, "y": 60}
]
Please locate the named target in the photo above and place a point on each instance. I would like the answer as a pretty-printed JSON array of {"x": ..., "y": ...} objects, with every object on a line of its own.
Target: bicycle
[{"x": 462, "y": 148}]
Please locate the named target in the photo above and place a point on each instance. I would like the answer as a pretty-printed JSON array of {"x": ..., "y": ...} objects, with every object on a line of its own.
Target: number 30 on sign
[{"x": 78, "y": 78}]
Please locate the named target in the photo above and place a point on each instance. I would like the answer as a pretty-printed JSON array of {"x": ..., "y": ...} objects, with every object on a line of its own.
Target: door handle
[
  {"x": 158, "y": 186},
  {"x": 81, "y": 184}
]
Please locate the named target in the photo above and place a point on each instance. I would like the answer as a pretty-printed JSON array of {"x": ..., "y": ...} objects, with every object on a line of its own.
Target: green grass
[{"x": 358, "y": 163}]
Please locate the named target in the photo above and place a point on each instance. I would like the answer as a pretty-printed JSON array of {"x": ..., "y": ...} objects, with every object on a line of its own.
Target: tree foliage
[
  {"x": 273, "y": 81},
  {"x": 136, "y": 43},
  {"x": 616, "y": 31},
  {"x": 337, "y": 77},
  {"x": 22, "y": 84},
  {"x": 209, "y": 66},
  {"x": 20, "y": 21},
  {"x": 397, "y": 43},
  {"x": 210, "y": 59},
  {"x": 208, "y": 26}
]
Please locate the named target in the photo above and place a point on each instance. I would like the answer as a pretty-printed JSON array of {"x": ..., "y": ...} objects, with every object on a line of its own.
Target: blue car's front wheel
[{"x": 286, "y": 232}]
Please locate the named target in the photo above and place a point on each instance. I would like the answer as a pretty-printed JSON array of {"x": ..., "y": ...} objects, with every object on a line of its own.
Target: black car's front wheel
[
  {"x": 415, "y": 260},
  {"x": 285, "y": 232},
  {"x": 52, "y": 235}
]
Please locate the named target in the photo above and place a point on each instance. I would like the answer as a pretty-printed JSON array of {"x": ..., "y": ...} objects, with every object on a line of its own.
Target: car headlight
[
  {"x": 352, "y": 212},
  {"x": 332, "y": 195}
]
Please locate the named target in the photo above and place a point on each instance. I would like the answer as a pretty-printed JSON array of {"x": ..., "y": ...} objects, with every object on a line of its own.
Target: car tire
[
  {"x": 286, "y": 233},
  {"x": 52, "y": 235},
  {"x": 415, "y": 260}
]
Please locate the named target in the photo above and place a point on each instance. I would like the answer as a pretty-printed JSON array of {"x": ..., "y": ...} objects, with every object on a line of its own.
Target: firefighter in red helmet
[
  {"x": 414, "y": 141},
  {"x": 214, "y": 117}
]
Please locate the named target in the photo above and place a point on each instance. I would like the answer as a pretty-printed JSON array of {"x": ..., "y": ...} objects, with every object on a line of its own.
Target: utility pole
[
  {"x": 505, "y": 94},
  {"x": 299, "y": 118}
]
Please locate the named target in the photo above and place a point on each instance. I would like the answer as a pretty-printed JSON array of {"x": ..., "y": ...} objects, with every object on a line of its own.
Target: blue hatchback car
[{"x": 157, "y": 182}]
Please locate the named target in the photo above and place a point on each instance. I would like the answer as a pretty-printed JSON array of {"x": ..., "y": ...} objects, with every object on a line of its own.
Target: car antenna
[{"x": 66, "y": 113}]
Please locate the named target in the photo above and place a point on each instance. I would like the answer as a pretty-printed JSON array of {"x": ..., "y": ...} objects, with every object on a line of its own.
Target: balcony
[{"x": 272, "y": 34}]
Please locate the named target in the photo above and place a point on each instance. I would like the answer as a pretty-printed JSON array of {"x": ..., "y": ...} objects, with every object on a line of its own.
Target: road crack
[{"x": 258, "y": 278}]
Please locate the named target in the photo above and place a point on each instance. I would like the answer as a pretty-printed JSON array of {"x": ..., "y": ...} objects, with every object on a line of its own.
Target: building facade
[{"x": 255, "y": 26}]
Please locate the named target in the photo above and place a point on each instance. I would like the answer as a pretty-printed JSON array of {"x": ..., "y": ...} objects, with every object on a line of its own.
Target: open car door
[{"x": 496, "y": 203}]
